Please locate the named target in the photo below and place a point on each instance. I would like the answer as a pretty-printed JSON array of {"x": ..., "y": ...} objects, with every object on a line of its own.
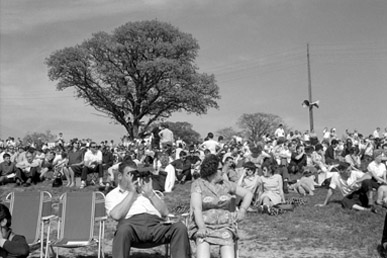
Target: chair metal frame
[
  {"x": 44, "y": 215},
  {"x": 97, "y": 214}
]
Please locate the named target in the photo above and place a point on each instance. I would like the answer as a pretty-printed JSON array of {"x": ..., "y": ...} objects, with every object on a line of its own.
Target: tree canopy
[
  {"x": 38, "y": 138},
  {"x": 141, "y": 72},
  {"x": 258, "y": 124}
]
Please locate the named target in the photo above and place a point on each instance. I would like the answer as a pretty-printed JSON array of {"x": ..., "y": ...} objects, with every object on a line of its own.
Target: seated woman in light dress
[
  {"x": 213, "y": 219},
  {"x": 353, "y": 158},
  {"x": 271, "y": 188}
]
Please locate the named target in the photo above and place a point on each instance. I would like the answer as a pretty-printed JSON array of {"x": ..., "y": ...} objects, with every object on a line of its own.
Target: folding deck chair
[
  {"x": 78, "y": 212},
  {"x": 30, "y": 211}
]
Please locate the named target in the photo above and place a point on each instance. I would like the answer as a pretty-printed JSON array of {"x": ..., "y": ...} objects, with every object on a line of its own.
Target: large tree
[
  {"x": 141, "y": 72},
  {"x": 258, "y": 124}
]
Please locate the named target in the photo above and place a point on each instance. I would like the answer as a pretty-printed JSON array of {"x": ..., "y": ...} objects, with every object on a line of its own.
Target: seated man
[
  {"x": 182, "y": 168},
  {"x": 354, "y": 185},
  {"x": 92, "y": 164},
  {"x": 140, "y": 212},
  {"x": 7, "y": 170},
  {"x": 11, "y": 245},
  {"x": 228, "y": 170},
  {"x": 27, "y": 170},
  {"x": 330, "y": 157},
  {"x": 298, "y": 160},
  {"x": 47, "y": 164}
]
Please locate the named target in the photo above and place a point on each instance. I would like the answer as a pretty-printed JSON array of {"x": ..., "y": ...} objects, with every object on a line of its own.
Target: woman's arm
[
  {"x": 196, "y": 204},
  {"x": 240, "y": 181}
]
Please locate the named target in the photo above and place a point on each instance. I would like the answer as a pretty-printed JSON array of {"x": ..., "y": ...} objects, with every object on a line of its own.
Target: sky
[{"x": 255, "y": 48}]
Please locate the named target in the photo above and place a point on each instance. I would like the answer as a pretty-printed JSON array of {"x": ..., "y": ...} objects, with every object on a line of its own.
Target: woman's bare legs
[
  {"x": 227, "y": 251},
  {"x": 202, "y": 249}
]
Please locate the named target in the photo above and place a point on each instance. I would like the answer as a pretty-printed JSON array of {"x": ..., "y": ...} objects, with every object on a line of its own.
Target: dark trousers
[
  {"x": 24, "y": 176},
  {"x": 186, "y": 173},
  {"x": 360, "y": 197},
  {"x": 86, "y": 170},
  {"x": 145, "y": 231},
  {"x": 283, "y": 171},
  {"x": 384, "y": 236}
]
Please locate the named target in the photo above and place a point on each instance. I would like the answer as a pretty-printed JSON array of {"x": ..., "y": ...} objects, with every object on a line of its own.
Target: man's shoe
[
  {"x": 27, "y": 184},
  {"x": 83, "y": 185},
  {"x": 101, "y": 184},
  {"x": 18, "y": 183}
]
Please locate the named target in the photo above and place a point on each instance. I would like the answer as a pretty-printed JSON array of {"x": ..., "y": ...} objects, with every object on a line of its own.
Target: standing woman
[
  {"x": 213, "y": 220},
  {"x": 271, "y": 189},
  {"x": 11, "y": 245}
]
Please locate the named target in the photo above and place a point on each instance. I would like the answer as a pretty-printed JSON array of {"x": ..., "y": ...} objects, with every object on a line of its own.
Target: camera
[{"x": 145, "y": 175}]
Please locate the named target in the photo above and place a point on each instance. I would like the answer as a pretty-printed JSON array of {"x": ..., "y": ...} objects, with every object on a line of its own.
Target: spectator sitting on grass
[
  {"x": 377, "y": 170},
  {"x": 353, "y": 185},
  {"x": 7, "y": 170},
  {"x": 249, "y": 179},
  {"x": 92, "y": 164},
  {"x": 330, "y": 157},
  {"x": 228, "y": 170},
  {"x": 75, "y": 164},
  {"x": 353, "y": 158},
  {"x": 19, "y": 156},
  {"x": 182, "y": 168},
  {"x": 298, "y": 160},
  {"x": 271, "y": 188},
  {"x": 305, "y": 185},
  {"x": 47, "y": 164},
  {"x": 27, "y": 170},
  {"x": 170, "y": 170}
]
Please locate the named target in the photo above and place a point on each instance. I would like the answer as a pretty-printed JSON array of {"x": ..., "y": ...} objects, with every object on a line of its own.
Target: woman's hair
[
  {"x": 209, "y": 166},
  {"x": 271, "y": 168},
  {"x": 5, "y": 214},
  {"x": 353, "y": 150},
  {"x": 319, "y": 147}
]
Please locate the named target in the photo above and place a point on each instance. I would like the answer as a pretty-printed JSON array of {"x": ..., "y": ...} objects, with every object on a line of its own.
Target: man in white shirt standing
[
  {"x": 280, "y": 132},
  {"x": 166, "y": 137},
  {"x": 210, "y": 144},
  {"x": 141, "y": 216},
  {"x": 92, "y": 164}
]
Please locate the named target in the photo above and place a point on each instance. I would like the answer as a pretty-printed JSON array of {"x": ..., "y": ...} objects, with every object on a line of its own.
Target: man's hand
[
  {"x": 146, "y": 188},
  {"x": 128, "y": 183}
]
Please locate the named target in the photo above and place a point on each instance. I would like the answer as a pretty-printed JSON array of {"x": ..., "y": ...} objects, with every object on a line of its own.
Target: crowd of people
[{"x": 228, "y": 177}]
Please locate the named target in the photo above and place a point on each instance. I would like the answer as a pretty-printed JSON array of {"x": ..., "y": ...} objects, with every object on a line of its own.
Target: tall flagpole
[{"x": 310, "y": 92}]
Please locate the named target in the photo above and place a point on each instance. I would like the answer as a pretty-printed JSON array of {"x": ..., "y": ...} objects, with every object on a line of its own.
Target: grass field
[{"x": 306, "y": 232}]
